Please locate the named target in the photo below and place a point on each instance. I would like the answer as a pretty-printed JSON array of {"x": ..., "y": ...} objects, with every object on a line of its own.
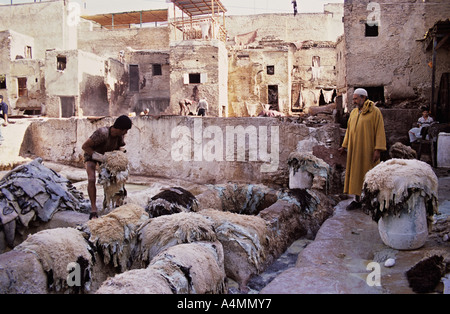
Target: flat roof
[
  {"x": 120, "y": 20},
  {"x": 199, "y": 7}
]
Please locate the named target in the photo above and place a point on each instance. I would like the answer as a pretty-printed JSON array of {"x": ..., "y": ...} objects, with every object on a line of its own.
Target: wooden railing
[{"x": 204, "y": 28}]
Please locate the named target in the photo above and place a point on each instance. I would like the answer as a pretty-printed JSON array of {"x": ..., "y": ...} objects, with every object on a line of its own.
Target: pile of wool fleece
[
  {"x": 136, "y": 281},
  {"x": 114, "y": 233},
  {"x": 396, "y": 181},
  {"x": 158, "y": 234},
  {"x": 55, "y": 250},
  {"x": 115, "y": 168},
  {"x": 116, "y": 161},
  {"x": 398, "y": 150},
  {"x": 189, "y": 268},
  {"x": 193, "y": 268},
  {"x": 245, "y": 241}
]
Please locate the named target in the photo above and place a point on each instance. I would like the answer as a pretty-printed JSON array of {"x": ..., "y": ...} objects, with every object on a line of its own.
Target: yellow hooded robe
[{"x": 365, "y": 133}]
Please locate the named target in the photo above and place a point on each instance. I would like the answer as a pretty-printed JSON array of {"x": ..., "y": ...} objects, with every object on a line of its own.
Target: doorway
[
  {"x": 67, "y": 107},
  {"x": 134, "y": 78},
  {"x": 273, "y": 97},
  {"x": 22, "y": 83}
]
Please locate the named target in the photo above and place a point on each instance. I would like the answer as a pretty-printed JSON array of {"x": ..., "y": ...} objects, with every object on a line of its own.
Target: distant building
[
  {"x": 384, "y": 50},
  {"x": 124, "y": 62}
]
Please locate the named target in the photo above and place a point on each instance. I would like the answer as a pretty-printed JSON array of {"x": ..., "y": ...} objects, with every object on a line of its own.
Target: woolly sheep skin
[
  {"x": 162, "y": 232},
  {"x": 392, "y": 181}
]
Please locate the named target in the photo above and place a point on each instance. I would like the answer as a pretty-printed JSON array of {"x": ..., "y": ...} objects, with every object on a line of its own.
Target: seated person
[{"x": 424, "y": 121}]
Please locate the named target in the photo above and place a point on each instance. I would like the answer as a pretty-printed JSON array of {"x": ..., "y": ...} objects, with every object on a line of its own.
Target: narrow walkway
[{"x": 337, "y": 260}]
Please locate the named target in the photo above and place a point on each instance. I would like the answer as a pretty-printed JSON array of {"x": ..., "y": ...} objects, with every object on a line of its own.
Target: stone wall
[
  {"x": 395, "y": 58},
  {"x": 397, "y": 123},
  {"x": 207, "y": 60},
  {"x": 154, "y": 87},
  {"x": 325, "y": 26},
  {"x": 50, "y": 30},
  {"x": 201, "y": 150},
  {"x": 108, "y": 43}
]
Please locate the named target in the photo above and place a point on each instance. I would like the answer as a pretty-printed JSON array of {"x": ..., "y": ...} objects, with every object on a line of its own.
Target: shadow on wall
[{"x": 94, "y": 98}]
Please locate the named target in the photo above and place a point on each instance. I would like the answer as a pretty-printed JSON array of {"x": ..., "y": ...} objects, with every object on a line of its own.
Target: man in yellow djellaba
[{"x": 364, "y": 140}]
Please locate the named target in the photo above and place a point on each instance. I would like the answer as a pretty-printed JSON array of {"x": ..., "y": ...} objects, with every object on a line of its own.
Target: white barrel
[
  {"x": 299, "y": 179},
  {"x": 443, "y": 150},
  {"x": 407, "y": 231}
]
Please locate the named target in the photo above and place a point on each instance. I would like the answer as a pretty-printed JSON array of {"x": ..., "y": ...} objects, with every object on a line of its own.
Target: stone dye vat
[{"x": 236, "y": 229}]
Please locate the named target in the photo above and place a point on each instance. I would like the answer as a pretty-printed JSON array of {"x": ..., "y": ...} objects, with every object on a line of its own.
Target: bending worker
[{"x": 105, "y": 139}]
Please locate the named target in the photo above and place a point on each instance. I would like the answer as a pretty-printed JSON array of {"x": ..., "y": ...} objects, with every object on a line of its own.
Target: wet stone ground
[{"x": 287, "y": 260}]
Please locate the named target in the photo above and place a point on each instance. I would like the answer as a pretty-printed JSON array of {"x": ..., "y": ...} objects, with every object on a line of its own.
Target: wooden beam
[
  {"x": 433, "y": 72},
  {"x": 442, "y": 42}
]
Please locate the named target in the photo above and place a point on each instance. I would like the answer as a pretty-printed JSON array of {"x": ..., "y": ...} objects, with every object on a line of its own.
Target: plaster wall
[
  {"x": 154, "y": 89},
  {"x": 14, "y": 64},
  {"x": 249, "y": 80},
  {"x": 108, "y": 43},
  {"x": 33, "y": 71},
  {"x": 51, "y": 30},
  {"x": 207, "y": 58},
  {"x": 201, "y": 150},
  {"x": 326, "y": 26},
  {"x": 395, "y": 58},
  {"x": 82, "y": 78}
]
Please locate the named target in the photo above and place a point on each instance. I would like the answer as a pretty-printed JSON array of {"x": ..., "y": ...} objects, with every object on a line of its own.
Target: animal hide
[
  {"x": 318, "y": 168},
  {"x": 56, "y": 249},
  {"x": 398, "y": 150},
  {"x": 34, "y": 192},
  {"x": 171, "y": 201},
  {"x": 245, "y": 241},
  {"x": 114, "y": 234},
  {"x": 113, "y": 176},
  {"x": 426, "y": 275},
  {"x": 158, "y": 234},
  {"x": 391, "y": 184},
  {"x": 246, "y": 39},
  {"x": 184, "y": 265},
  {"x": 137, "y": 281}
]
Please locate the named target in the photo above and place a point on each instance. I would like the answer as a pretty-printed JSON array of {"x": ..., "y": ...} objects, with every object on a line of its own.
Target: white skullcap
[{"x": 360, "y": 91}]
